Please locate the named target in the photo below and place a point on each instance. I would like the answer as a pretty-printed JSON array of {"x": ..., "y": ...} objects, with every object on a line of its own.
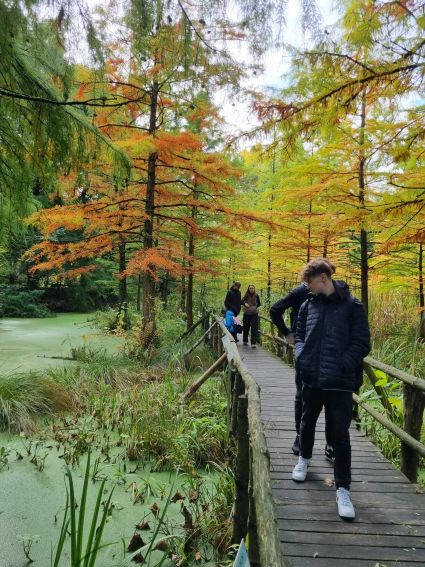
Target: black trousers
[
  {"x": 340, "y": 406},
  {"x": 251, "y": 321},
  {"x": 298, "y": 409}
]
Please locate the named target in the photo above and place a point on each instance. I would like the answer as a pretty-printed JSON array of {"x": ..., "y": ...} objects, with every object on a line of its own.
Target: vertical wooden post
[
  {"x": 238, "y": 390},
  {"x": 241, "y": 508},
  {"x": 253, "y": 545},
  {"x": 220, "y": 342},
  {"x": 280, "y": 348},
  {"x": 214, "y": 339},
  {"x": 206, "y": 326},
  {"x": 414, "y": 403}
]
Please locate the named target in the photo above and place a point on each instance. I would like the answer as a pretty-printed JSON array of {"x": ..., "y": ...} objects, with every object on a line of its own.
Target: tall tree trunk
[
  {"x": 364, "y": 259},
  {"x": 122, "y": 317},
  {"x": 164, "y": 289},
  {"x": 310, "y": 208},
  {"x": 149, "y": 322},
  {"x": 189, "y": 299},
  {"x": 138, "y": 297},
  {"x": 183, "y": 287},
  {"x": 122, "y": 281},
  {"x": 421, "y": 293},
  {"x": 325, "y": 245},
  {"x": 269, "y": 269},
  {"x": 270, "y": 236}
]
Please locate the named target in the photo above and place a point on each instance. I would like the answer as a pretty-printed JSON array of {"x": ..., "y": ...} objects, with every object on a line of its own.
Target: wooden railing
[
  {"x": 413, "y": 401},
  {"x": 254, "y": 511}
]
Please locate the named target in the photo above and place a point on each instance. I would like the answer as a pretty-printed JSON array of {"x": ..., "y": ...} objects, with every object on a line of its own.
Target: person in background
[
  {"x": 232, "y": 324},
  {"x": 251, "y": 320},
  {"x": 293, "y": 301},
  {"x": 233, "y": 299},
  {"x": 332, "y": 338}
]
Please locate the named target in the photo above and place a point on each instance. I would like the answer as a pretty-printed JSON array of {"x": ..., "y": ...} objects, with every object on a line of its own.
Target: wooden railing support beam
[{"x": 414, "y": 404}]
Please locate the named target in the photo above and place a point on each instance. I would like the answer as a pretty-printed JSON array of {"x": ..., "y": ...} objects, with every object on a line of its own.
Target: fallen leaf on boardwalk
[
  {"x": 329, "y": 482},
  {"x": 315, "y": 555},
  {"x": 418, "y": 490}
]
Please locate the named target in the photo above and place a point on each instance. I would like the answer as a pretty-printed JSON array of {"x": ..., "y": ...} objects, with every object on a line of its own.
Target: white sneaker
[
  {"x": 300, "y": 470},
  {"x": 345, "y": 506}
]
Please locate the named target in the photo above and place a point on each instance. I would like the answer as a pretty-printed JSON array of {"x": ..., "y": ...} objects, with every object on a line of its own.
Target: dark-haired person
[
  {"x": 251, "y": 320},
  {"x": 293, "y": 301},
  {"x": 332, "y": 338},
  {"x": 233, "y": 299}
]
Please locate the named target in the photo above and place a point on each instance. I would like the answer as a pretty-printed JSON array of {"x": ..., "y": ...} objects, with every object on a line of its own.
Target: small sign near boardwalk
[{"x": 241, "y": 556}]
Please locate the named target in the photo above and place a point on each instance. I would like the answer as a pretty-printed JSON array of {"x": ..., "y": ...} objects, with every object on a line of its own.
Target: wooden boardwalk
[{"x": 390, "y": 525}]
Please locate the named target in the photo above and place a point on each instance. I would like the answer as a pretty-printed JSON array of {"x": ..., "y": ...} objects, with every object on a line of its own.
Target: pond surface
[
  {"x": 29, "y": 344},
  {"x": 32, "y": 504}
]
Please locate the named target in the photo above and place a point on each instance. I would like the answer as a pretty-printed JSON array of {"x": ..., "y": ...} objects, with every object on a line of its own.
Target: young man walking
[
  {"x": 293, "y": 301},
  {"x": 332, "y": 338}
]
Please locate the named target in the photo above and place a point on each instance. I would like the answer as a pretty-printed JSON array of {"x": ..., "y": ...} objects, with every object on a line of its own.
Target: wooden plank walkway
[{"x": 390, "y": 525}]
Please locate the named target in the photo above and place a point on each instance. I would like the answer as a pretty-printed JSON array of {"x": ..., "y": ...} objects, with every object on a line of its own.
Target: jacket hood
[{"x": 341, "y": 288}]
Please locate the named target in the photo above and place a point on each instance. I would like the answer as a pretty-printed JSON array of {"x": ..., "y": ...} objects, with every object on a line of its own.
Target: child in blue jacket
[{"x": 231, "y": 325}]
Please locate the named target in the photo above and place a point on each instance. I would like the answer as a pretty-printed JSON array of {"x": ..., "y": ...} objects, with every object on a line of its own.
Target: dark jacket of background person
[
  {"x": 332, "y": 338},
  {"x": 293, "y": 300},
  {"x": 233, "y": 300},
  {"x": 253, "y": 301}
]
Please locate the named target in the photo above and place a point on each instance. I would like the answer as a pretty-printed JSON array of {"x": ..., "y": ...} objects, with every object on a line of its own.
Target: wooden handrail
[
  {"x": 198, "y": 342},
  {"x": 262, "y": 523},
  {"x": 413, "y": 381},
  {"x": 194, "y": 326},
  {"x": 413, "y": 443}
]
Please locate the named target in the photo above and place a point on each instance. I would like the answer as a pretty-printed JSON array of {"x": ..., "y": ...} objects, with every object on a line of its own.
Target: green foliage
[
  {"x": 74, "y": 521},
  {"x": 83, "y": 296},
  {"x": 20, "y": 303}
]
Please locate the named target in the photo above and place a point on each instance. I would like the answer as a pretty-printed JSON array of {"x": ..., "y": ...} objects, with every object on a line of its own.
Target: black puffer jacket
[
  {"x": 233, "y": 300},
  {"x": 294, "y": 299},
  {"x": 332, "y": 338}
]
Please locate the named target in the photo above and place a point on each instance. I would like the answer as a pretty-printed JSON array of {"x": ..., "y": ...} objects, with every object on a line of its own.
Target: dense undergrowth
[{"x": 126, "y": 410}]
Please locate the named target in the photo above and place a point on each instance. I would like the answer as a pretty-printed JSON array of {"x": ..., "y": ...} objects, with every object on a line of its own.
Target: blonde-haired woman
[{"x": 251, "y": 320}]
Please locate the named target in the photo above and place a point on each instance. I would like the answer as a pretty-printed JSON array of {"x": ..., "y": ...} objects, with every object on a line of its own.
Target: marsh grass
[
  {"x": 26, "y": 396},
  {"x": 141, "y": 408},
  {"x": 393, "y": 314}
]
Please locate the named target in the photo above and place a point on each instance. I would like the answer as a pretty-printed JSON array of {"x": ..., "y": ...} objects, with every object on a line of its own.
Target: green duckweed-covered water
[
  {"x": 32, "y": 504},
  {"x": 29, "y": 344}
]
